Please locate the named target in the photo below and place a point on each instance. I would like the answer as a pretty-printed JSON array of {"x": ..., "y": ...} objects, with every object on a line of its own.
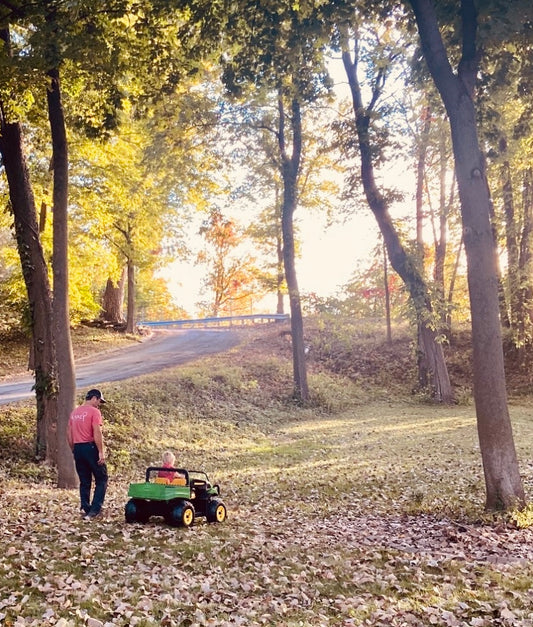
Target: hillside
[{"x": 356, "y": 349}]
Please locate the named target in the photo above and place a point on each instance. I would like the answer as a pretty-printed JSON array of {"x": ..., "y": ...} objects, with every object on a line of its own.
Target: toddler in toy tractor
[{"x": 169, "y": 476}]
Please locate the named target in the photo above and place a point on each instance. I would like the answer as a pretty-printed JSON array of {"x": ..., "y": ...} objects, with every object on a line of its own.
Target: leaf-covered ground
[
  {"x": 362, "y": 510},
  {"x": 332, "y": 521}
]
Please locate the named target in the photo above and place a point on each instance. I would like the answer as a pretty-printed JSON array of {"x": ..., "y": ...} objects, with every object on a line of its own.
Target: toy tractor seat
[{"x": 166, "y": 481}]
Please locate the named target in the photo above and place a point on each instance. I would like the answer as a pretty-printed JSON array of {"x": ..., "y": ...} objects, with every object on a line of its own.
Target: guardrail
[{"x": 219, "y": 322}]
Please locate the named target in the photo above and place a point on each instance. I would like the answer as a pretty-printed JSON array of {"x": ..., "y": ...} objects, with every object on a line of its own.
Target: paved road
[{"x": 164, "y": 349}]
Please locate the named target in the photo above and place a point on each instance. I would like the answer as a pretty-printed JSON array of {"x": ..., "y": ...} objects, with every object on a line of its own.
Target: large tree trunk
[
  {"x": 290, "y": 169},
  {"x": 113, "y": 300},
  {"x": 502, "y": 478},
  {"x": 66, "y": 473},
  {"x": 433, "y": 372},
  {"x": 35, "y": 275}
]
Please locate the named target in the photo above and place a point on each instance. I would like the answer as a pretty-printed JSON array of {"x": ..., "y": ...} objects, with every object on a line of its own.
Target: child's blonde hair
[{"x": 169, "y": 458}]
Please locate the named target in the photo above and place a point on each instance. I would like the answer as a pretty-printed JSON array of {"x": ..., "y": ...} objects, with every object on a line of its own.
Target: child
[{"x": 169, "y": 460}]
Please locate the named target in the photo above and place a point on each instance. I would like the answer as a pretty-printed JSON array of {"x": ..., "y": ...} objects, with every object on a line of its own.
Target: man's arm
[
  {"x": 70, "y": 440},
  {"x": 99, "y": 441}
]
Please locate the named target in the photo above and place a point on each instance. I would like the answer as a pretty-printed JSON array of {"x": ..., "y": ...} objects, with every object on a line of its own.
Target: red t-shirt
[
  {"x": 81, "y": 423},
  {"x": 167, "y": 474}
]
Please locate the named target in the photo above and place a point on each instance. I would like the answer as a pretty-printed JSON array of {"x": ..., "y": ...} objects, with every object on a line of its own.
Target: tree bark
[
  {"x": 113, "y": 300},
  {"x": 420, "y": 177},
  {"x": 511, "y": 240},
  {"x": 433, "y": 372},
  {"x": 525, "y": 265},
  {"x": 290, "y": 170},
  {"x": 130, "y": 318},
  {"x": 62, "y": 457},
  {"x": 387, "y": 296},
  {"x": 502, "y": 478}
]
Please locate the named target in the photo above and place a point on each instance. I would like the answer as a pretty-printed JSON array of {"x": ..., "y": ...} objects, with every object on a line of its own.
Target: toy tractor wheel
[
  {"x": 216, "y": 511},
  {"x": 134, "y": 512},
  {"x": 181, "y": 515}
]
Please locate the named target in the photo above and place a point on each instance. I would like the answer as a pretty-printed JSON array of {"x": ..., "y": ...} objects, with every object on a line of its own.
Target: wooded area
[{"x": 120, "y": 121}]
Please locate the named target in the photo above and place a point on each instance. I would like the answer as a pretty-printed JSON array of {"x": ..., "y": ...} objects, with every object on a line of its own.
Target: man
[{"x": 85, "y": 438}]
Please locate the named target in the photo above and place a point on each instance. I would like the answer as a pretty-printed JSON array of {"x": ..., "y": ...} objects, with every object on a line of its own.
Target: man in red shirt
[{"x": 85, "y": 438}]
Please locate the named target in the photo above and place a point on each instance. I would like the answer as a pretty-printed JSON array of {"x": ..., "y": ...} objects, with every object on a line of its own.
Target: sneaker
[
  {"x": 92, "y": 515},
  {"x": 83, "y": 512}
]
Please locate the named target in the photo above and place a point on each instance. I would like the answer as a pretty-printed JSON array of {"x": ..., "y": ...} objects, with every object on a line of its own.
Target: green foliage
[
  {"x": 95, "y": 46},
  {"x": 17, "y": 445},
  {"x": 13, "y": 304},
  {"x": 284, "y": 47},
  {"x": 153, "y": 300}
]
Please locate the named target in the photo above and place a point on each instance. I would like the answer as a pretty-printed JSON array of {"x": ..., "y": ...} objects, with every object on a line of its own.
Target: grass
[{"x": 359, "y": 510}]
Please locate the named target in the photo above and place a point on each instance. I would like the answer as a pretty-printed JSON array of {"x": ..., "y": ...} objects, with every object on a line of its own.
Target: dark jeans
[{"x": 87, "y": 467}]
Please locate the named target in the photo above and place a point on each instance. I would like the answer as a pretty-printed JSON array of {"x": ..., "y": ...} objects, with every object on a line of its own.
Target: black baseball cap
[{"x": 96, "y": 393}]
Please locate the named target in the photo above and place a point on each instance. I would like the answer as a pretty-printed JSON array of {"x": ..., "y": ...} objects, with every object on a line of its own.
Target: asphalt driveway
[{"x": 166, "y": 348}]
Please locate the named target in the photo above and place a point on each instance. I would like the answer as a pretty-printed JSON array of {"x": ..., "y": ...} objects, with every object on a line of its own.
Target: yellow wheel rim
[
  {"x": 188, "y": 516},
  {"x": 221, "y": 513}
]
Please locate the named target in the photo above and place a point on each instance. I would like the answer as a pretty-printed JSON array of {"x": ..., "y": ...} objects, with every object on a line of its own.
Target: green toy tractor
[{"x": 176, "y": 494}]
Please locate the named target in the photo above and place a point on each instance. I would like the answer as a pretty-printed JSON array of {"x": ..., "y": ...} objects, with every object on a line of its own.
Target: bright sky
[{"x": 329, "y": 258}]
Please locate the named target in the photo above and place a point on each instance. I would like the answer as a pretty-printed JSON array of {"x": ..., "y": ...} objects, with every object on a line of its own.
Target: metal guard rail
[{"x": 222, "y": 321}]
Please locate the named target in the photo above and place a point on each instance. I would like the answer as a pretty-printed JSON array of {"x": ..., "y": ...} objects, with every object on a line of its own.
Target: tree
[
  {"x": 266, "y": 233},
  {"x": 44, "y": 34},
  {"x": 433, "y": 373},
  {"x": 97, "y": 44},
  {"x": 371, "y": 290},
  {"x": 231, "y": 277},
  {"x": 279, "y": 48},
  {"x": 22, "y": 203},
  {"x": 66, "y": 474},
  {"x": 502, "y": 478},
  {"x": 507, "y": 129},
  {"x": 113, "y": 300},
  {"x": 131, "y": 208},
  {"x": 254, "y": 126}
]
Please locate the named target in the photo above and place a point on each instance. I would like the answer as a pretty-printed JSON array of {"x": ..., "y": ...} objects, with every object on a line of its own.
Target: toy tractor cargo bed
[{"x": 158, "y": 491}]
